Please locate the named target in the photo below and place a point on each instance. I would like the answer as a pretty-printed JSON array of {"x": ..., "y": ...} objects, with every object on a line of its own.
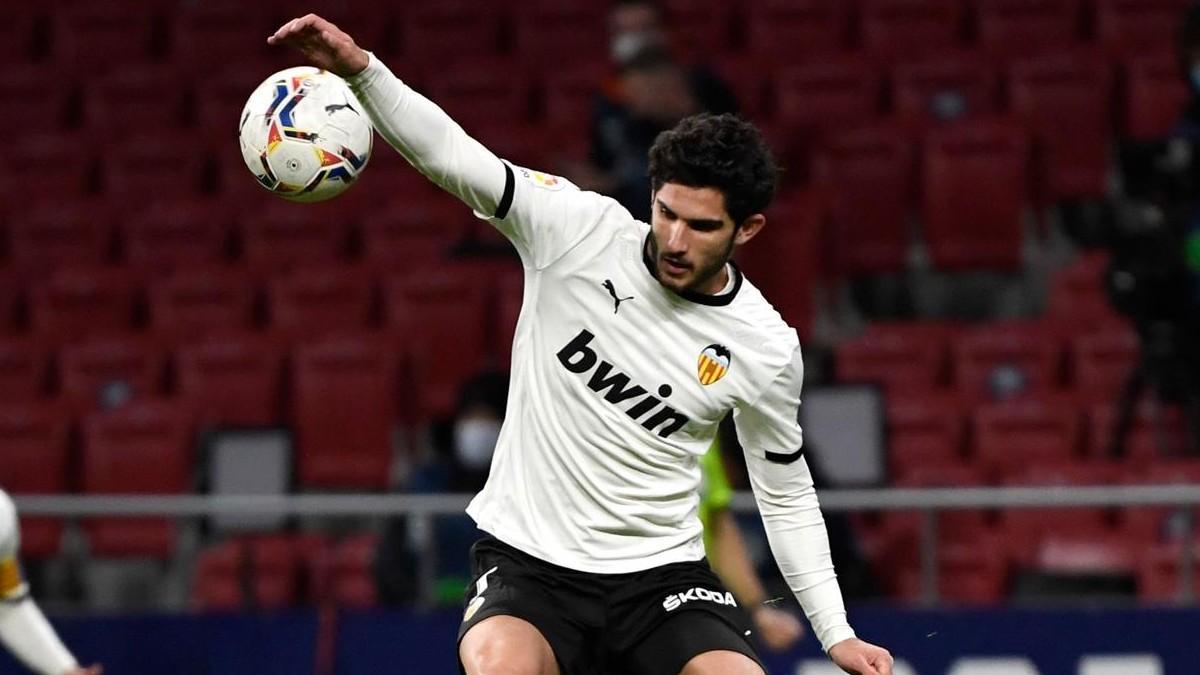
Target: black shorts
[{"x": 641, "y": 623}]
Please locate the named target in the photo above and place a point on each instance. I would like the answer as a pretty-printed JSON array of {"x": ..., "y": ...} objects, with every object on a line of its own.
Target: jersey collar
[{"x": 719, "y": 300}]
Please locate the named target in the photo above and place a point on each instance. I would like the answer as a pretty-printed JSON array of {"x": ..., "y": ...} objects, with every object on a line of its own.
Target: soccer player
[
  {"x": 23, "y": 628},
  {"x": 634, "y": 341}
]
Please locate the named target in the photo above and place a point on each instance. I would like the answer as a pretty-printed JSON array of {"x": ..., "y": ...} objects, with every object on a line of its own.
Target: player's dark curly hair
[{"x": 720, "y": 151}]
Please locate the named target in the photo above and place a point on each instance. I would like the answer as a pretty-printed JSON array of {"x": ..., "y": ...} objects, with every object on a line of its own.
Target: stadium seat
[
  {"x": 87, "y": 38},
  {"x": 568, "y": 95},
  {"x": 99, "y": 372},
  {"x": 1159, "y": 578},
  {"x": 866, "y": 176},
  {"x": 11, "y": 297},
  {"x": 1085, "y": 553},
  {"x": 475, "y": 97},
  {"x": 1151, "y": 525},
  {"x": 426, "y": 28},
  {"x": 56, "y": 168},
  {"x": 412, "y": 231},
  {"x": 905, "y": 27},
  {"x": 752, "y": 85},
  {"x": 922, "y": 431},
  {"x": 34, "y": 98},
  {"x": 892, "y": 360},
  {"x": 34, "y": 440},
  {"x": 699, "y": 28},
  {"x": 50, "y": 237},
  {"x": 275, "y": 572},
  {"x": 442, "y": 315},
  {"x": 1153, "y": 96},
  {"x": 280, "y": 235},
  {"x": 551, "y": 31},
  {"x": 311, "y": 301},
  {"x": 343, "y": 413},
  {"x": 158, "y": 164},
  {"x": 778, "y": 28},
  {"x": 1004, "y": 360},
  {"x": 827, "y": 93},
  {"x": 217, "y": 100},
  {"x": 24, "y": 366},
  {"x": 177, "y": 233},
  {"x": 1101, "y": 363},
  {"x": 348, "y": 568},
  {"x": 19, "y": 35},
  {"x": 1027, "y": 529},
  {"x": 953, "y": 525},
  {"x": 1156, "y": 432},
  {"x": 77, "y": 301},
  {"x": 118, "y": 448},
  {"x": 1019, "y": 27},
  {"x": 791, "y": 288},
  {"x": 1010, "y": 437},
  {"x": 943, "y": 87},
  {"x": 217, "y": 579},
  {"x": 974, "y": 193},
  {"x": 125, "y": 102},
  {"x": 202, "y": 34},
  {"x": 1065, "y": 98},
  {"x": 198, "y": 300},
  {"x": 233, "y": 379},
  {"x": 1078, "y": 295},
  {"x": 970, "y": 572},
  {"x": 1134, "y": 26}
]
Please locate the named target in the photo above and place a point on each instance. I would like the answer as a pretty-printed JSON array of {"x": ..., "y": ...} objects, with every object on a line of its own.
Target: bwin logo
[
  {"x": 675, "y": 600},
  {"x": 578, "y": 358}
]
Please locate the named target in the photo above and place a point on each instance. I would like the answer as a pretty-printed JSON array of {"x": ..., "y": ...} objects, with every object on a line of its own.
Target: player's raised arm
[{"x": 425, "y": 135}]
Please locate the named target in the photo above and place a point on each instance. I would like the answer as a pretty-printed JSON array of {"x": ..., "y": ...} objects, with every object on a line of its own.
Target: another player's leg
[{"x": 506, "y": 645}]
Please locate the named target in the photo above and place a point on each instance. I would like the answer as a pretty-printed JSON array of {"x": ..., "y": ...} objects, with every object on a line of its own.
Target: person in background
[
  {"x": 727, "y": 555},
  {"x": 24, "y": 630}
]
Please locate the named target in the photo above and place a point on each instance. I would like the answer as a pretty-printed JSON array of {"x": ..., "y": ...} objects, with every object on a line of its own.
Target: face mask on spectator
[
  {"x": 625, "y": 46},
  {"x": 474, "y": 442}
]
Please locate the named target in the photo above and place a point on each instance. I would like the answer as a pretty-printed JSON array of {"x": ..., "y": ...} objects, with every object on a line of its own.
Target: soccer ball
[{"x": 303, "y": 134}]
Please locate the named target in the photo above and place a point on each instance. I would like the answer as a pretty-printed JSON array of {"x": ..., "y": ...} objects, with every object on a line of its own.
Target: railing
[{"x": 421, "y": 508}]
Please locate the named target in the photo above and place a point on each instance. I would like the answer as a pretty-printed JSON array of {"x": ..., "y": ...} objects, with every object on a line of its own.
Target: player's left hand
[
  {"x": 861, "y": 658},
  {"x": 94, "y": 669},
  {"x": 777, "y": 628}
]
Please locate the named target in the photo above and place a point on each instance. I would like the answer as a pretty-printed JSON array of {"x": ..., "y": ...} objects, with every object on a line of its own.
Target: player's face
[{"x": 693, "y": 237}]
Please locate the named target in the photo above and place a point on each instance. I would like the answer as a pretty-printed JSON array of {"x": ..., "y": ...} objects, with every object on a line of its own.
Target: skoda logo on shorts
[{"x": 676, "y": 600}]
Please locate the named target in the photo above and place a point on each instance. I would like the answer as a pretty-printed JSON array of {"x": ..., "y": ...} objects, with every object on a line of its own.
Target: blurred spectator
[
  {"x": 462, "y": 456},
  {"x": 648, "y": 94}
]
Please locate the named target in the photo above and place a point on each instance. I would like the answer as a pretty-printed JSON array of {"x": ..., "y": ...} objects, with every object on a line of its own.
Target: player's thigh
[
  {"x": 506, "y": 645},
  {"x": 721, "y": 662}
]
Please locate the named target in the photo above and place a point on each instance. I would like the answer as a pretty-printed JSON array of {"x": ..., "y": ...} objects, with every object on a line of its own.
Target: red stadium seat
[
  {"x": 50, "y": 237},
  {"x": 904, "y": 27},
  {"x": 87, "y": 38},
  {"x": 233, "y": 380},
  {"x": 975, "y": 191},
  {"x": 1156, "y": 432},
  {"x": 127, "y": 101},
  {"x": 1027, "y": 530},
  {"x": 34, "y": 98},
  {"x": 33, "y": 460},
  {"x": 944, "y": 87},
  {"x": 475, "y": 97},
  {"x": 923, "y": 431},
  {"x": 217, "y": 580},
  {"x": 866, "y": 175},
  {"x": 281, "y": 235},
  {"x": 568, "y": 95},
  {"x": 1153, "y": 97},
  {"x": 1007, "y": 360},
  {"x": 1085, "y": 553},
  {"x": 1065, "y": 99},
  {"x": 163, "y": 166},
  {"x": 749, "y": 82},
  {"x": 55, "y": 167},
  {"x": 1078, "y": 295},
  {"x": 217, "y": 32},
  {"x": 119, "y": 447},
  {"x": 352, "y": 578},
  {"x": 11, "y": 294},
  {"x": 781, "y": 27},
  {"x": 24, "y": 365},
  {"x": 828, "y": 93},
  {"x": 893, "y": 360},
  {"x": 343, "y": 413},
  {"x": 698, "y": 28},
  {"x": 171, "y": 234},
  {"x": 311, "y": 301},
  {"x": 1017, "y": 27},
  {"x": 790, "y": 288},
  {"x": 275, "y": 572},
  {"x": 1101, "y": 363},
  {"x": 218, "y": 99},
  {"x": 199, "y": 300},
  {"x": 78, "y": 301},
  {"x": 1150, "y": 525},
  {"x": 550, "y": 31},
  {"x": 18, "y": 35},
  {"x": 1159, "y": 579},
  {"x": 1009, "y": 437},
  {"x": 1133, "y": 26},
  {"x": 442, "y": 315},
  {"x": 413, "y": 231},
  {"x": 89, "y": 369},
  {"x": 973, "y": 571},
  {"x": 426, "y": 28}
]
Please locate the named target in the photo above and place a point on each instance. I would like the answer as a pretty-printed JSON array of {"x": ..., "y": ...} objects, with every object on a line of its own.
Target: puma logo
[
  {"x": 330, "y": 109},
  {"x": 608, "y": 285}
]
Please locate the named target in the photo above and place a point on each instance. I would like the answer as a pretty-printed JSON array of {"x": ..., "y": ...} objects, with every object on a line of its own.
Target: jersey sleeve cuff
[{"x": 832, "y": 636}]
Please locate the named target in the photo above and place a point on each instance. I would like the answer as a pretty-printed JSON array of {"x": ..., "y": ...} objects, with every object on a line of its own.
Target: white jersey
[
  {"x": 618, "y": 384},
  {"x": 12, "y": 585}
]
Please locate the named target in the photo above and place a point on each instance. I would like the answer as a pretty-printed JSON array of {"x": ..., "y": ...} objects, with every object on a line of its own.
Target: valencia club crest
[{"x": 713, "y": 364}]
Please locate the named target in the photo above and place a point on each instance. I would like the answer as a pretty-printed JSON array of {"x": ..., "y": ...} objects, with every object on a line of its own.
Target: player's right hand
[
  {"x": 323, "y": 43},
  {"x": 94, "y": 669}
]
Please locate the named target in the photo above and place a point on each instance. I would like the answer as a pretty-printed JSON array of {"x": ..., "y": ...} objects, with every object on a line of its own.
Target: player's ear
[{"x": 749, "y": 227}]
